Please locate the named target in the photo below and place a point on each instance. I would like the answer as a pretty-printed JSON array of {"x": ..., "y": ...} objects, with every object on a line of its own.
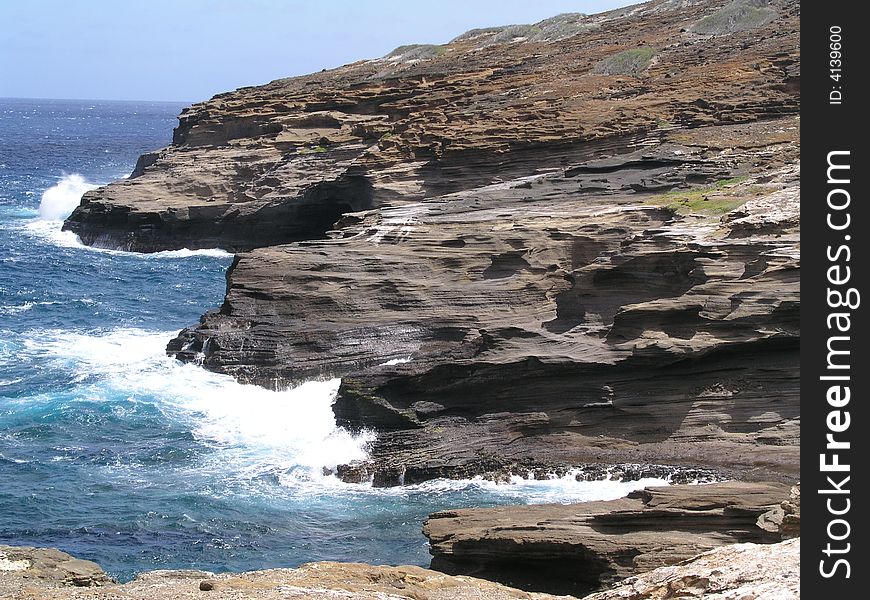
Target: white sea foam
[
  {"x": 50, "y": 231},
  {"x": 62, "y": 198},
  {"x": 14, "y": 309},
  {"x": 556, "y": 490},
  {"x": 184, "y": 253},
  {"x": 285, "y": 436},
  {"x": 252, "y": 428},
  {"x": 396, "y": 361}
]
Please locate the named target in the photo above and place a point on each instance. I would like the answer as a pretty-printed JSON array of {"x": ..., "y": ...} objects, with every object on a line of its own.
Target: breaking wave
[{"x": 62, "y": 198}]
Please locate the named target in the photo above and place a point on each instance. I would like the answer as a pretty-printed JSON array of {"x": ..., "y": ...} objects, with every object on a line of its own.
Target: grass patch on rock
[
  {"x": 627, "y": 62},
  {"x": 417, "y": 52},
  {"x": 312, "y": 150},
  {"x": 740, "y": 15},
  {"x": 714, "y": 200}
]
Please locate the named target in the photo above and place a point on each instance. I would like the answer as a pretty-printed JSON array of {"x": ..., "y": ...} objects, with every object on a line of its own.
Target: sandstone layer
[{"x": 580, "y": 547}]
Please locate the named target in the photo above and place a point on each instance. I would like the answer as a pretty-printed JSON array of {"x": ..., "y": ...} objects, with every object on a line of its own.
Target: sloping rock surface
[
  {"x": 22, "y": 566},
  {"x": 580, "y": 547},
  {"x": 739, "y": 571}
]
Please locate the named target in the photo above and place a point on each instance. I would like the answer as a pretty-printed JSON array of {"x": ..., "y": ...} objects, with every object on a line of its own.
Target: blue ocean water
[{"x": 116, "y": 453}]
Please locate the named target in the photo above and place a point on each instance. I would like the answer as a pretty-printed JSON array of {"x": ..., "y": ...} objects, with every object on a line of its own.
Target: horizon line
[{"x": 187, "y": 102}]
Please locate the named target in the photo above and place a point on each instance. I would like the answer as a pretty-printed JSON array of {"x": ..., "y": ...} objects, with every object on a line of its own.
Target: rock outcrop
[
  {"x": 323, "y": 581},
  {"x": 22, "y": 566},
  {"x": 555, "y": 244},
  {"x": 744, "y": 571},
  {"x": 580, "y": 547}
]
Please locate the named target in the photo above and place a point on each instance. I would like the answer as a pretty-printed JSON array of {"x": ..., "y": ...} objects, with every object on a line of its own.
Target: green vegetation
[
  {"x": 713, "y": 200},
  {"x": 417, "y": 51},
  {"x": 473, "y": 33},
  {"x": 312, "y": 150},
  {"x": 739, "y": 15},
  {"x": 509, "y": 34},
  {"x": 555, "y": 28},
  {"x": 627, "y": 62}
]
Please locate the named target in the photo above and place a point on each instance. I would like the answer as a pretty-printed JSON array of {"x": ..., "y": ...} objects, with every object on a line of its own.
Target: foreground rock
[
  {"x": 325, "y": 580},
  {"x": 739, "y": 571},
  {"x": 45, "y": 567},
  {"x": 581, "y": 547},
  {"x": 538, "y": 246}
]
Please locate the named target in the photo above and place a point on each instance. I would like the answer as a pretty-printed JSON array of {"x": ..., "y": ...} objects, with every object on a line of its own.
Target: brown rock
[
  {"x": 325, "y": 581},
  {"x": 46, "y": 567},
  {"x": 580, "y": 547}
]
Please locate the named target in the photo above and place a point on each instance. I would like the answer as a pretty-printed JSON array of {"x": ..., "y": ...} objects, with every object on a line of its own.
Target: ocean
[{"x": 114, "y": 452}]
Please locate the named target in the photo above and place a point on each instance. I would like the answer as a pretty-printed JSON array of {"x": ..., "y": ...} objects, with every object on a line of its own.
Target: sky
[{"x": 189, "y": 50}]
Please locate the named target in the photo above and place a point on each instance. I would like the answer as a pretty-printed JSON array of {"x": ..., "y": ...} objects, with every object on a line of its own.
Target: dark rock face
[
  {"x": 575, "y": 548},
  {"x": 511, "y": 257}
]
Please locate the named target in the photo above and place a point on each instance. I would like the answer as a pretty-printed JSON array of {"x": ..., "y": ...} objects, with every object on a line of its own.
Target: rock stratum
[
  {"x": 532, "y": 248},
  {"x": 577, "y": 548}
]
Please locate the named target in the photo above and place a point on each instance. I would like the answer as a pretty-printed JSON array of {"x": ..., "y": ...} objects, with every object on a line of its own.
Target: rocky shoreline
[
  {"x": 526, "y": 251},
  {"x": 763, "y": 572}
]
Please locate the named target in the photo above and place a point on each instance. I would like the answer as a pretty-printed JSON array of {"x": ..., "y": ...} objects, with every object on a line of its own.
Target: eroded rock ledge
[
  {"x": 745, "y": 571},
  {"x": 760, "y": 572},
  {"x": 580, "y": 547}
]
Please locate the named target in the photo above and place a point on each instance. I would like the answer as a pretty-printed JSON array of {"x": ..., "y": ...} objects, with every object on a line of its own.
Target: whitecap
[
  {"x": 396, "y": 361},
  {"x": 250, "y": 428},
  {"x": 261, "y": 441},
  {"x": 62, "y": 198},
  {"x": 51, "y": 232}
]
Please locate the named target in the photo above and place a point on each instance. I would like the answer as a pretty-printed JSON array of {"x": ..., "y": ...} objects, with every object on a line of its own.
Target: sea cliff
[{"x": 530, "y": 249}]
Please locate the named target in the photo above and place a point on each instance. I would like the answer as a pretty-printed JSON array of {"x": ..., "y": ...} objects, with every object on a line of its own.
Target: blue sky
[{"x": 189, "y": 50}]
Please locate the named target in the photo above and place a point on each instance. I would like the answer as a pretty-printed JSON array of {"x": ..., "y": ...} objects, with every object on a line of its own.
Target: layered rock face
[
  {"x": 544, "y": 245},
  {"x": 580, "y": 547}
]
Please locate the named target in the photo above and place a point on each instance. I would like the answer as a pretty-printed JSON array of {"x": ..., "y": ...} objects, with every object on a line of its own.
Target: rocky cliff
[{"x": 575, "y": 241}]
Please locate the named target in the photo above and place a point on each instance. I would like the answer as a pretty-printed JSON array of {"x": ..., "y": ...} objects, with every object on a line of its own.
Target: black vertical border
[{"x": 827, "y": 127}]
